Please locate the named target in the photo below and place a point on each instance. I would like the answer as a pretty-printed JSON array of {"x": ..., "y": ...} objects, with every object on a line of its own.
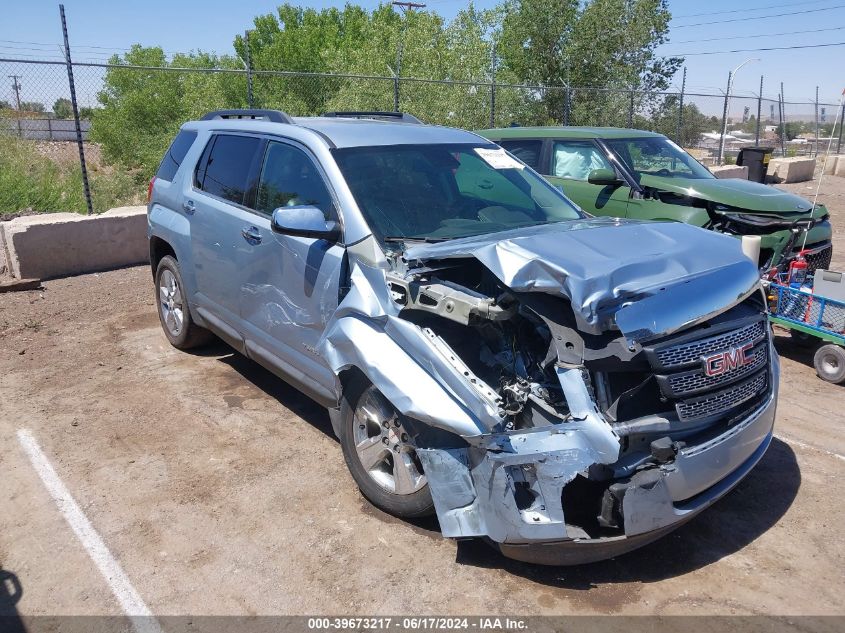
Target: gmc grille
[{"x": 699, "y": 388}]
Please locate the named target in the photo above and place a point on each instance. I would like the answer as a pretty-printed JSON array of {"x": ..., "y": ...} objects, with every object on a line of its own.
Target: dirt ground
[{"x": 221, "y": 490}]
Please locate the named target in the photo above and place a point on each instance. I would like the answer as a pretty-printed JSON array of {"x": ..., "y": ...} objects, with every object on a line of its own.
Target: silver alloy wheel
[
  {"x": 384, "y": 447},
  {"x": 170, "y": 302}
]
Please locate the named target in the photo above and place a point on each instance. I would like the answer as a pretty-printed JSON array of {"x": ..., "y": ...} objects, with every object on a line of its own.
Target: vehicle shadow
[
  {"x": 726, "y": 527},
  {"x": 11, "y": 592},
  {"x": 289, "y": 397},
  {"x": 799, "y": 352}
]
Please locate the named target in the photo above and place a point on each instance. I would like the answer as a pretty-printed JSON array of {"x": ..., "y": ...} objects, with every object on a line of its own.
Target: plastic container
[{"x": 757, "y": 161}]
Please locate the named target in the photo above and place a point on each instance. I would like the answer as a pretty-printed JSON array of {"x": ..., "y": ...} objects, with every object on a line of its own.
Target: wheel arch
[{"x": 159, "y": 248}]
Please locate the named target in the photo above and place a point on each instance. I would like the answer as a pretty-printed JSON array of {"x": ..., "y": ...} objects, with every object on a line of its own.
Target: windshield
[
  {"x": 656, "y": 156},
  {"x": 438, "y": 192}
]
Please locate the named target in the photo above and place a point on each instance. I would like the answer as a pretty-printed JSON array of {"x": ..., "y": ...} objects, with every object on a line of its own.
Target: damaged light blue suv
[{"x": 567, "y": 388}]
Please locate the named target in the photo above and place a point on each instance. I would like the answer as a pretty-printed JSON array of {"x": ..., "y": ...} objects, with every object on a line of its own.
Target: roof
[
  {"x": 348, "y": 132},
  {"x": 566, "y": 132}
]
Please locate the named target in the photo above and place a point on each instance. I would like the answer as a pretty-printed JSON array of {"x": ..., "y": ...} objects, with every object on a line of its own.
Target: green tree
[
  {"x": 600, "y": 47},
  {"x": 141, "y": 110},
  {"x": 32, "y": 106},
  {"x": 665, "y": 120},
  {"x": 63, "y": 108}
]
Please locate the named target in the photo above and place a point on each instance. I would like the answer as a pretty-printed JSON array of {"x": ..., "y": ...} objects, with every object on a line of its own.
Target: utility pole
[
  {"x": 406, "y": 6},
  {"x": 16, "y": 86}
]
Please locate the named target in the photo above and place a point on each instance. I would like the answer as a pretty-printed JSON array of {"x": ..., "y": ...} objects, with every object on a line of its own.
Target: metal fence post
[
  {"x": 816, "y": 153},
  {"x": 493, "y": 87},
  {"x": 841, "y": 122},
  {"x": 631, "y": 109},
  {"x": 248, "y": 60},
  {"x": 680, "y": 133},
  {"x": 781, "y": 126},
  {"x": 724, "y": 120},
  {"x": 759, "y": 107},
  {"x": 49, "y": 129},
  {"x": 567, "y": 104},
  {"x": 85, "y": 187}
]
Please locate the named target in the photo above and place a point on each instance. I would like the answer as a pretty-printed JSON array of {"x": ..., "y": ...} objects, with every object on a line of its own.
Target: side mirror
[
  {"x": 604, "y": 177},
  {"x": 305, "y": 221}
]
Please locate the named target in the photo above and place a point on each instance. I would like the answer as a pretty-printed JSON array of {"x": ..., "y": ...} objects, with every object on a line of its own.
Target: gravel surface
[{"x": 221, "y": 490}]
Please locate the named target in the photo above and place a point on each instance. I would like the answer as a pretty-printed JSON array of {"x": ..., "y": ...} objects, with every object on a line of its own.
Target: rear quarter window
[
  {"x": 227, "y": 171},
  {"x": 176, "y": 154},
  {"x": 528, "y": 151}
]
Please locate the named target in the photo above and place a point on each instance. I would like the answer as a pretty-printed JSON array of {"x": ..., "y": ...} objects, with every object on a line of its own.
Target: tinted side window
[
  {"x": 176, "y": 154},
  {"x": 228, "y": 167},
  {"x": 289, "y": 178},
  {"x": 528, "y": 151}
]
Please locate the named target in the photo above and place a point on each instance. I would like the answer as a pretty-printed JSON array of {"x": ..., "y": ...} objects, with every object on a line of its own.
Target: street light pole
[{"x": 731, "y": 76}]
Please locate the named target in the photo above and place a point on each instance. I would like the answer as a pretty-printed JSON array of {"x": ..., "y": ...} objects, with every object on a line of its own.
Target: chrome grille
[
  {"x": 681, "y": 384},
  {"x": 687, "y": 353},
  {"x": 721, "y": 401}
]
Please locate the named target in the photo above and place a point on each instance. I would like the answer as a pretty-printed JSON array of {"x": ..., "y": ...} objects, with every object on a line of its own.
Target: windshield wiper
[{"x": 409, "y": 238}]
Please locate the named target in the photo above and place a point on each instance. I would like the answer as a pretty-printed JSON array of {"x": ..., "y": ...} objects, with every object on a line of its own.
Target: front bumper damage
[
  {"x": 511, "y": 485},
  {"x": 475, "y": 489}
]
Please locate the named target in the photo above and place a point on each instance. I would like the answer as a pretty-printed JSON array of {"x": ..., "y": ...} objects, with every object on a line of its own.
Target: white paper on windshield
[{"x": 498, "y": 158}]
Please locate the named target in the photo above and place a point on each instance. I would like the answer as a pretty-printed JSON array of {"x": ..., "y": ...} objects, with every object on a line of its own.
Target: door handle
[
  {"x": 251, "y": 234},
  {"x": 189, "y": 206}
]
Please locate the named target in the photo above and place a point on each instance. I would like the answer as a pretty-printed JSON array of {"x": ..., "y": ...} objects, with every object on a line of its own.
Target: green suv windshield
[
  {"x": 656, "y": 156},
  {"x": 439, "y": 192}
]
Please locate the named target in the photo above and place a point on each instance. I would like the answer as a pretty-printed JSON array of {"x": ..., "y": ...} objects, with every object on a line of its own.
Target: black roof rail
[
  {"x": 275, "y": 116},
  {"x": 374, "y": 114}
]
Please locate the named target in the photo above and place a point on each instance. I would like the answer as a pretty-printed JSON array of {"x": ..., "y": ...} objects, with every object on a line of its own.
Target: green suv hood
[{"x": 740, "y": 194}]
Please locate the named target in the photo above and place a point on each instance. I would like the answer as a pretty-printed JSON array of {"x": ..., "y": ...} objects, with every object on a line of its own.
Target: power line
[
  {"x": 745, "y": 37},
  {"x": 763, "y": 8},
  {"x": 761, "y": 17},
  {"x": 754, "y": 50}
]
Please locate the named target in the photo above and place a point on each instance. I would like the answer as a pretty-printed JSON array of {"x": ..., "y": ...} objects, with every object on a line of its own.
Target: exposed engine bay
[{"x": 547, "y": 409}]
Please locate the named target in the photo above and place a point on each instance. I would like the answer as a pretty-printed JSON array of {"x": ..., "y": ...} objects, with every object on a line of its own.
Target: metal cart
[{"x": 813, "y": 320}]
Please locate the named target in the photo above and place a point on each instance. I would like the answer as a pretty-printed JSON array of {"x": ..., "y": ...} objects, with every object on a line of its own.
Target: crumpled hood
[
  {"x": 600, "y": 263},
  {"x": 732, "y": 192}
]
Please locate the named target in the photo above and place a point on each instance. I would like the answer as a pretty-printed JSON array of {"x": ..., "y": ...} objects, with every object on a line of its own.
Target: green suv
[{"x": 636, "y": 174}]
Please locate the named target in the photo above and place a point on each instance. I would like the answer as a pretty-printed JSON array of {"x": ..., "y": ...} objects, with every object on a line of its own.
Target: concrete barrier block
[
  {"x": 833, "y": 161},
  {"x": 61, "y": 244},
  {"x": 730, "y": 171},
  {"x": 839, "y": 170},
  {"x": 794, "y": 169}
]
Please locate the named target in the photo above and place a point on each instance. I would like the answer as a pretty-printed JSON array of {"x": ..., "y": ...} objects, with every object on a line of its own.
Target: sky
[{"x": 31, "y": 30}]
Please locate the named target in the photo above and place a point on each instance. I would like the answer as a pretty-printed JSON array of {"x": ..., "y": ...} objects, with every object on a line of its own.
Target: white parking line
[
  {"x": 133, "y": 605},
  {"x": 810, "y": 447}
]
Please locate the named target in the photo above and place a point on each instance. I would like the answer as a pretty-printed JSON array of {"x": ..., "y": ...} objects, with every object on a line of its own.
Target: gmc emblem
[{"x": 726, "y": 361}]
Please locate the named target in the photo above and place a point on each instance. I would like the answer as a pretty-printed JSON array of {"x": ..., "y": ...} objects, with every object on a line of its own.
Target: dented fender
[{"x": 406, "y": 364}]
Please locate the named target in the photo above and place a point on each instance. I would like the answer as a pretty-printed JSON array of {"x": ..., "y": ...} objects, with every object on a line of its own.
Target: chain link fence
[{"x": 128, "y": 115}]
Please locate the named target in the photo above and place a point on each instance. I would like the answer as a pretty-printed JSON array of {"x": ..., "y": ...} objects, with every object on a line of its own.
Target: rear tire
[
  {"x": 829, "y": 362},
  {"x": 173, "y": 310},
  {"x": 380, "y": 453}
]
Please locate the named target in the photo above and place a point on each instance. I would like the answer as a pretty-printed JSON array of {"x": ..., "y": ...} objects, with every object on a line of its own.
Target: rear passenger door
[
  {"x": 217, "y": 204},
  {"x": 289, "y": 285}
]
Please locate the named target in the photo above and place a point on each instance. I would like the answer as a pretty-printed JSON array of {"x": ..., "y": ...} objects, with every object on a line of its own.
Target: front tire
[
  {"x": 380, "y": 453},
  {"x": 173, "y": 310},
  {"x": 829, "y": 362}
]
